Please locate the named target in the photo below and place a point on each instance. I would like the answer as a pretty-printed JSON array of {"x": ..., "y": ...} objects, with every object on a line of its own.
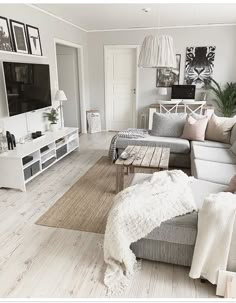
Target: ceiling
[{"x": 91, "y": 17}]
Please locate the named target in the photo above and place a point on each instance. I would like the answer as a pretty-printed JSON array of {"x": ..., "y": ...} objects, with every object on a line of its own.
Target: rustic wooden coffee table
[{"x": 142, "y": 157}]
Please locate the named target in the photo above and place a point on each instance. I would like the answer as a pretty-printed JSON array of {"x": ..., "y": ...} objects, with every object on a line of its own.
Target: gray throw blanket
[{"x": 130, "y": 133}]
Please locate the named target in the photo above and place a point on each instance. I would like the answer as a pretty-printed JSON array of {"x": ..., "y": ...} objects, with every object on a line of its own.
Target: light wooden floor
[{"x": 37, "y": 261}]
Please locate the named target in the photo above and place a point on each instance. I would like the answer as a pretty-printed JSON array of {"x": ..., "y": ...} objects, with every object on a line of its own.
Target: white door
[{"x": 120, "y": 88}]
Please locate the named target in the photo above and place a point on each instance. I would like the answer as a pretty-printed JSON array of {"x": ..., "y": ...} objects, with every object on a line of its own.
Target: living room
[{"x": 117, "y": 150}]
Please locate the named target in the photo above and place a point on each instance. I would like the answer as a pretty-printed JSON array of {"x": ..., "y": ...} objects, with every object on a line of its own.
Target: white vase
[{"x": 53, "y": 127}]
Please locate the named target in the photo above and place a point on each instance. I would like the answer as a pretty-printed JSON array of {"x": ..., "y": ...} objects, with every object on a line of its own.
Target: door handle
[{"x": 134, "y": 90}]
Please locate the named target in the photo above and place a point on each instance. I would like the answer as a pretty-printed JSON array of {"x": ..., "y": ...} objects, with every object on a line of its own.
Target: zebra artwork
[{"x": 199, "y": 65}]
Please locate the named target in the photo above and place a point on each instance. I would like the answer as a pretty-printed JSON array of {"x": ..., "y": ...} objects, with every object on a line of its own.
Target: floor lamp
[{"x": 61, "y": 97}]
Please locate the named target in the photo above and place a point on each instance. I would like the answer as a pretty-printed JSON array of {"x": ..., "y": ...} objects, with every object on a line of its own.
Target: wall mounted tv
[{"x": 27, "y": 87}]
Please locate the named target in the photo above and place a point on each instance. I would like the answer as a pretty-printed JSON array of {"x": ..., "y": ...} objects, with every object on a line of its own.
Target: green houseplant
[
  {"x": 52, "y": 118},
  {"x": 225, "y": 97}
]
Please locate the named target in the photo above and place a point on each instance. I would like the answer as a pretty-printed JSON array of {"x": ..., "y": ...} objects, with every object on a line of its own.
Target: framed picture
[
  {"x": 199, "y": 65},
  {"x": 19, "y": 37},
  {"x": 167, "y": 77},
  {"x": 5, "y": 36},
  {"x": 34, "y": 40}
]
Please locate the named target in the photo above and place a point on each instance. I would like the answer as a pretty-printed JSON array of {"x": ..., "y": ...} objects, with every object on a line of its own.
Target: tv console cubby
[{"x": 28, "y": 160}]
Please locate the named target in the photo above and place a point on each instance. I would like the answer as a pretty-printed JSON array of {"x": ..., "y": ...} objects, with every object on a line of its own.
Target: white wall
[
  {"x": 224, "y": 38},
  {"x": 49, "y": 28}
]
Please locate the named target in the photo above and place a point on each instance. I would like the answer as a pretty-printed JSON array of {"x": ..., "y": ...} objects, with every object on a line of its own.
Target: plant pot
[{"x": 53, "y": 127}]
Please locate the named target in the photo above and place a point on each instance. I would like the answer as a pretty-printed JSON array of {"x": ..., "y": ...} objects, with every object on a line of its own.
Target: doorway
[
  {"x": 121, "y": 78},
  {"x": 70, "y": 78},
  {"x": 68, "y": 81}
]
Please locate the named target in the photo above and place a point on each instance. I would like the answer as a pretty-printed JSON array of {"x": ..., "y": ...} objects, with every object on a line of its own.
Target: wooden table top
[{"x": 146, "y": 156}]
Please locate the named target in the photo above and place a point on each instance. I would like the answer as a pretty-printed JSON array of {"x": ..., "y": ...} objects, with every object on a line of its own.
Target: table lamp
[{"x": 61, "y": 97}]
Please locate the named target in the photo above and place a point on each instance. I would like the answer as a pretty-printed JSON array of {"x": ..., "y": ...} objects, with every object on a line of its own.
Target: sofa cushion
[
  {"x": 168, "y": 125},
  {"x": 233, "y": 148},
  {"x": 232, "y": 185},
  {"x": 219, "y": 128},
  {"x": 210, "y": 144},
  {"x": 222, "y": 155},
  {"x": 176, "y": 145},
  {"x": 213, "y": 171},
  {"x": 194, "y": 129},
  {"x": 233, "y": 135},
  {"x": 182, "y": 229}
]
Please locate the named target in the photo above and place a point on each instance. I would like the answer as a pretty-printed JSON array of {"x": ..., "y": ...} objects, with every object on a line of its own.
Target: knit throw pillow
[
  {"x": 219, "y": 128},
  {"x": 195, "y": 129}
]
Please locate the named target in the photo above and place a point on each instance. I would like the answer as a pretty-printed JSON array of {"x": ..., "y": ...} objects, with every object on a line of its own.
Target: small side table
[{"x": 142, "y": 157}]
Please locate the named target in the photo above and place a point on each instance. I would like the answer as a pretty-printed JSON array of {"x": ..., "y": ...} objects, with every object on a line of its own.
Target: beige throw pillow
[
  {"x": 219, "y": 128},
  {"x": 233, "y": 148},
  {"x": 195, "y": 129}
]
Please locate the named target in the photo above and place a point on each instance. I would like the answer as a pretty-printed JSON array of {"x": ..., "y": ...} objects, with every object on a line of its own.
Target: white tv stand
[{"x": 58, "y": 144}]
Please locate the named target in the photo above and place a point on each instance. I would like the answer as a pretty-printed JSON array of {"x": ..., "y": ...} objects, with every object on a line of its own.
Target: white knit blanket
[
  {"x": 216, "y": 221},
  {"x": 136, "y": 211}
]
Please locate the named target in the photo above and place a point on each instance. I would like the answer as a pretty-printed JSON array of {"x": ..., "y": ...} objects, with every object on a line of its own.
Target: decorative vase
[{"x": 53, "y": 127}]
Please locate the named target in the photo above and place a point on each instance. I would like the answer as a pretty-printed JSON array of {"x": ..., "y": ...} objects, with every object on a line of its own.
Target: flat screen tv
[
  {"x": 183, "y": 92},
  {"x": 27, "y": 87}
]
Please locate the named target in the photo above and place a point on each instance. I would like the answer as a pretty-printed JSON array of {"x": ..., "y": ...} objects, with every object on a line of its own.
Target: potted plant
[
  {"x": 52, "y": 118},
  {"x": 225, "y": 97}
]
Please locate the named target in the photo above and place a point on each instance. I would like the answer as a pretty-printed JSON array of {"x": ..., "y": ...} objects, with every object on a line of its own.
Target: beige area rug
[{"x": 86, "y": 204}]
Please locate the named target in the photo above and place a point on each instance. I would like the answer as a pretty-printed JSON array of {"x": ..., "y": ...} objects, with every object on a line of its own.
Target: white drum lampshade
[
  {"x": 162, "y": 91},
  {"x": 157, "y": 52},
  {"x": 149, "y": 52},
  {"x": 60, "y": 96}
]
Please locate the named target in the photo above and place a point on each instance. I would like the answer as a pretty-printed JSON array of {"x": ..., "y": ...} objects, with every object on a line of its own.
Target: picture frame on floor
[
  {"x": 19, "y": 36},
  {"x": 5, "y": 35},
  {"x": 33, "y": 35}
]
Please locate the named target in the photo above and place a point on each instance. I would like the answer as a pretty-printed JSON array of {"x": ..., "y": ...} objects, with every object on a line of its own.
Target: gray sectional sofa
[{"x": 212, "y": 165}]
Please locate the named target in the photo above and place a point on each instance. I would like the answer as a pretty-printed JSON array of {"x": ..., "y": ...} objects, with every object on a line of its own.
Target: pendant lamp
[
  {"x": 149, "y": 52},
  {"x": 157, "y": 52}
]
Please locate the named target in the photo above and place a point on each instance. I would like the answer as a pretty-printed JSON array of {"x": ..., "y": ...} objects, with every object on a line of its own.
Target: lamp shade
[
  {"x": 162, "y": 91},
  {"x": 157, "y": 52},
  {"x": 149, "y": 52},
  {"x": 60, "y": 96},
  {"x": 166, "y": 57}
]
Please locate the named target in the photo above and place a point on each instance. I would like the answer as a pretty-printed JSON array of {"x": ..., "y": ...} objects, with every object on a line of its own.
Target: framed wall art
[
  {"x": 199, "y": 65},
  {"x": 167, "y": 77},
  {"x": 5, "y": 36},
  {"x": 34, "y": 40},
  {"x": 19, "y": 37}
]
